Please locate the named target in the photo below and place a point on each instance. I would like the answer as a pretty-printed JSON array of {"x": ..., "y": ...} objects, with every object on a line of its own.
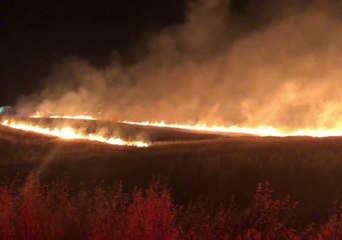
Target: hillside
[{"x": 309, "y": 169}]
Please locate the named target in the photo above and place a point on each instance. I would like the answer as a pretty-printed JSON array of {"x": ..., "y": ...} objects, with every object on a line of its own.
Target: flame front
[
  {"x": 71, "y": 133},
  {"x": 258, "y": 131}
]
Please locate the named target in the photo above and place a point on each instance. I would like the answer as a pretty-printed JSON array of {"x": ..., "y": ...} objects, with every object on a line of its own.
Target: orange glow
[
  {"x": 70, "y": 133},
  {"x": 80, "y": 117},
  {"x": 257, "y": 131}
]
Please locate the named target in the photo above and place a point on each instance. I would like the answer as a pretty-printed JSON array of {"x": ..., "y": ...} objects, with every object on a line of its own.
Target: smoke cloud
[{"x": 261, "y": 63}]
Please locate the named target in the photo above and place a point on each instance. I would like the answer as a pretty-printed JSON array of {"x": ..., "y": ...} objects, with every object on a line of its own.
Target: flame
[
  {"x": 263, "y": 131},
  {"x": 79, "y": 117},
  {"x": 70, "y": 133}
]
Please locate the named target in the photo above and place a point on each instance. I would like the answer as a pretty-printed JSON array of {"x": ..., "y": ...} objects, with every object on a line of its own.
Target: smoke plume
[{"x": 258, "y": 63}]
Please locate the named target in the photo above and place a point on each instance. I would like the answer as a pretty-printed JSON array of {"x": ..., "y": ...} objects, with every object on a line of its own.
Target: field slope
[{"x": 213, "y": 166}]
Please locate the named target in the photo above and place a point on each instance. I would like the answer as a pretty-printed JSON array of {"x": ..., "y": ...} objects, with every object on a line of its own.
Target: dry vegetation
[
  {"x": 214, "y": 170},
  {"x": 35, "y": 211}
]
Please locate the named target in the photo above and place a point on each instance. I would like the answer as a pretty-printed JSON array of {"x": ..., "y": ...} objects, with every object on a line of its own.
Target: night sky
[{"x": 34, "y": 35}]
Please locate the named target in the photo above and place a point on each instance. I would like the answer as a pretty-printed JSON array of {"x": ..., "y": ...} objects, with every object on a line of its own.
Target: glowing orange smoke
[
  {"x": 80, "y": 117},
  {"x": 70, "y": 133},
  {"x": 258, "y": 131}
]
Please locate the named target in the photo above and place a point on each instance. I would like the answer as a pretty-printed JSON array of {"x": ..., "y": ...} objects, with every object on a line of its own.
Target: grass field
[{"x": 196, "y": 165}]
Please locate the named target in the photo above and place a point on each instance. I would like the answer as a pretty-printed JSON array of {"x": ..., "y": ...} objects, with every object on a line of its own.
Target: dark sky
[{"x": 36, "y": 34}]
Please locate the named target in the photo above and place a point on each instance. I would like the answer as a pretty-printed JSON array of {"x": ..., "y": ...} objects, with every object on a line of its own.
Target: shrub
[{"x": 36, "y": 211}]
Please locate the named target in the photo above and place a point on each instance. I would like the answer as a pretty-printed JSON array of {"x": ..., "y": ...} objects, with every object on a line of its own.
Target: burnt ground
[{"x": 192, "y": 164}]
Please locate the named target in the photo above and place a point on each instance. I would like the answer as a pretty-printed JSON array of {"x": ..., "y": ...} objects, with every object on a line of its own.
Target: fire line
[
  {"x": 263, "y": 131},
  {"x": 70, "y": 133}
]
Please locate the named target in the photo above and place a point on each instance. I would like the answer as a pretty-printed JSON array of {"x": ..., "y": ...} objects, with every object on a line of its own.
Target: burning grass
[
  {"x": 262, "y": 131},
  {"x": 69, "y": 132},
  {"x": 36, "y": 211}
]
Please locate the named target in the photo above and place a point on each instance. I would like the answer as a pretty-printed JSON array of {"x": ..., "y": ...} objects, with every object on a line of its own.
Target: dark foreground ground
[{"x": 214, "y": 167}]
